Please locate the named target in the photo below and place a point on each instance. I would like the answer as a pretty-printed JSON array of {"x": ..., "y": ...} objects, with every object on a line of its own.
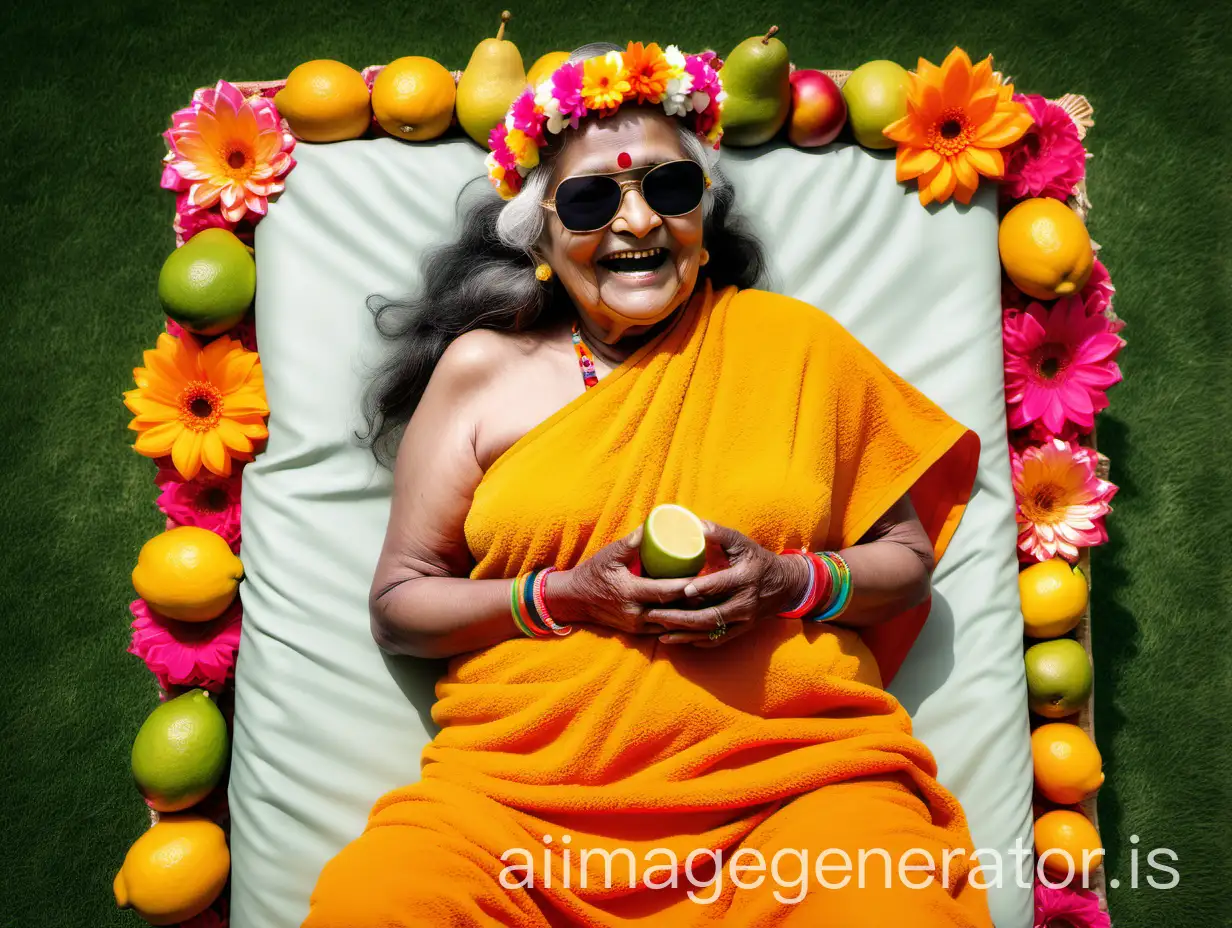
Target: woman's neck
[{"x": 614, "y": 352}]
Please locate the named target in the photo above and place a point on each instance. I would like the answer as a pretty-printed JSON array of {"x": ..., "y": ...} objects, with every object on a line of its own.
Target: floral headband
[{"x": 685, "y": 85}]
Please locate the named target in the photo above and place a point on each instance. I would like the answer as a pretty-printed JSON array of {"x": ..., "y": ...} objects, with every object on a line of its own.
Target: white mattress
[{"x": 325, "y": 723}]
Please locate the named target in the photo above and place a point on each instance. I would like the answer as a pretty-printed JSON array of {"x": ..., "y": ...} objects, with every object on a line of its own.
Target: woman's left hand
[{"x": 758, "y": 584}]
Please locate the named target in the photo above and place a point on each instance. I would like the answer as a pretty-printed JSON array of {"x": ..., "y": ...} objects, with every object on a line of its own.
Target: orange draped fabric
[{"x": 601, "y": 768}]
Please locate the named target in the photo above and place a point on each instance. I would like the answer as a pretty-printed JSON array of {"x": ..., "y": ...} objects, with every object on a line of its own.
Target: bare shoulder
[{"x": 476, "y": 358}]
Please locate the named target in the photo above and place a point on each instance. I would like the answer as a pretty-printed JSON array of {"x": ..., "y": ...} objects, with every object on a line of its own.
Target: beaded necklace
[{"x": 585, "y": 361}]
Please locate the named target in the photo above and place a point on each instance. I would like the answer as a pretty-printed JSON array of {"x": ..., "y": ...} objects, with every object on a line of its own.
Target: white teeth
[{"x": 633, "y": 254}]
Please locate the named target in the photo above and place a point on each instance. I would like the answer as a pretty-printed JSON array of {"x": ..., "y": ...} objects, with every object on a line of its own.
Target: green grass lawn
[{"x": 89, "y": 87}]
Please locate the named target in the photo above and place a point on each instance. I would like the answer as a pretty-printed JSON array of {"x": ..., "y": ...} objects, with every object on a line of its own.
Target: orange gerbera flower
[
  {"x": 203, "y": 406},
  {"x": 958, "y": 118},
  {"x": 648, "y": 72},
  {"x": 605, "y": 82}
]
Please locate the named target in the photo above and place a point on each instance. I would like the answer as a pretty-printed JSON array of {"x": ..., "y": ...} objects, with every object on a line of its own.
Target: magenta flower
[
  {"x": 244, "y": 331},
  {"x": 527, "y": 117},
  {"x": 567, "y": 90},
  {"x": 1097, "y": 294},
  {"x": 1049, "y": 160},
  {"x": 207, "y": 501},
  {"x": 1059, "y": 363},
  {"x": 1061, "y": 500},
  {"x": 228, "y": 151},
  {"x": 706, "y": 86},
  {"x": 1068, "y": 908},
  {"x": 186, "y": 653},
  {"x": 500, "y": 149}
]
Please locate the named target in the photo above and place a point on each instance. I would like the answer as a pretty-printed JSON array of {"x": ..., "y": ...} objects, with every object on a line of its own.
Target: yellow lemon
[
  {"x": 1045, "y": 248},
  {"x": 1064, "y": 832},
  {"x": 174, "y": 871},
  {"x": 325, "y": 101},
  {"x": 1054, "y": 597},
  {"x": 413, "y": 98},
  {"x": 545, "y": 66},
  {"x": 1068, "y": 765},
  {"x": 187, "y": 573}
]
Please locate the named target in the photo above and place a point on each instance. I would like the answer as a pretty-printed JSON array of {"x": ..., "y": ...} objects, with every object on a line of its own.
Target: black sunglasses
[{"x": 588, "y": 202}]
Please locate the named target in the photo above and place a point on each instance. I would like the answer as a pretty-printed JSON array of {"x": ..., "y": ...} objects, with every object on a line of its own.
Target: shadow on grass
[{"x": 1114, "y": 635}]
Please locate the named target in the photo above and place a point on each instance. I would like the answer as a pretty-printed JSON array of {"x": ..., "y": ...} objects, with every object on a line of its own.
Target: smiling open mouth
[{"x": 635, "y": 262}]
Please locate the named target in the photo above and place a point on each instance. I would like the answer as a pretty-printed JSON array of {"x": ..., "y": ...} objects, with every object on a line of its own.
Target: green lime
[
  {"x": 208, "y": 283},
  {"x": 1059, "y": 677},
  {"x": 673, "y": 542},
  {"x": 180, "y": 752}
]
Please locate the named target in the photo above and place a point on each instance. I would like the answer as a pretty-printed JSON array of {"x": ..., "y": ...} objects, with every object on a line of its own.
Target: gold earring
[
  {"x": 705, "y": 257},
  {"x": 543, "y": 272}
]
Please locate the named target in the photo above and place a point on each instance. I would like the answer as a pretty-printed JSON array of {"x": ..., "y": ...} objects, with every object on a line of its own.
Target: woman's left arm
[{"x": 891, "y": 571}]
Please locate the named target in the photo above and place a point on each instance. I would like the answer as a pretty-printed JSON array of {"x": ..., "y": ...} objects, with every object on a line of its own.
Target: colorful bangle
[
  {"x": 533, "y": 619},
  {"x": 540, "y": 602},
  {"x": 841, "y": 597},
  {"x": 819, "y": 584},
  {"x": 515, "y": 611},
  {"x": 521, "y": 614}
]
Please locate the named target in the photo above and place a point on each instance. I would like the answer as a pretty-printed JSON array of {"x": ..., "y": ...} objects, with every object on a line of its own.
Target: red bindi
[{"x": 623, "y": 159}]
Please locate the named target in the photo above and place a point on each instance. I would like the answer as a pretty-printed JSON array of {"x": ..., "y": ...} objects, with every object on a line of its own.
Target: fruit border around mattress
[{"x": 199, "y": 410}]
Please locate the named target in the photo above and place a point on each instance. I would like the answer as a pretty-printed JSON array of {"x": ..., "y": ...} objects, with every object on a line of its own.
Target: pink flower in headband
[
  {"x": 567, "y": 92},
  {"x": 500, "y": 150},
  {"x": 706, "y": 87},
  {"x": 527, "y": 117}
]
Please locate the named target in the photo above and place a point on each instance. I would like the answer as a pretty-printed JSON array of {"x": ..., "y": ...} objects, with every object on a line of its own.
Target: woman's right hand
[{"x": 603, "y": 590}]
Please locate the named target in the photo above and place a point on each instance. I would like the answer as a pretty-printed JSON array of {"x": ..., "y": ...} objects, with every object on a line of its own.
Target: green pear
[
  {"x": 493, "y": 77},
  {"x": 755, "y": 76}
]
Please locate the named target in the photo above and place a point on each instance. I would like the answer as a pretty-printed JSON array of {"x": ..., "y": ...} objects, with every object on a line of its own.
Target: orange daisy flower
[
  {"x": 605, "y": 82},
  {"x": 203, "y": 406},
  {"x": 648, "y": 72},
  {"x": 958, "y": 118}
]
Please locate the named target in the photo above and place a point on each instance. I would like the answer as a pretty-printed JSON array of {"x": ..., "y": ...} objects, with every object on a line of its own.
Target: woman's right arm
[{"x": 422, "y": 602}]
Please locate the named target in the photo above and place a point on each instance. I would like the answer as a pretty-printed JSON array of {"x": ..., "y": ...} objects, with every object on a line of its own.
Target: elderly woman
[{"x": 614, "y": 748}]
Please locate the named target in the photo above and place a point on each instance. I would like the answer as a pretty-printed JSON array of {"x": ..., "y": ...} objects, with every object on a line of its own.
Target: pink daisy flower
[
  {"x": 1068, "y": 908},
  {"x": 207, "y": 501},
  {"x": 1061, "y": 500},
  {"x": 1059, "y": 361},
  {"x": 186, "y": 653},
  {"x": 1049, "y": 160}
]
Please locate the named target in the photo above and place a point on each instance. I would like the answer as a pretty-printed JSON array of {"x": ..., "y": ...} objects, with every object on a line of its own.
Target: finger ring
[{"x": 720, "y": 627}]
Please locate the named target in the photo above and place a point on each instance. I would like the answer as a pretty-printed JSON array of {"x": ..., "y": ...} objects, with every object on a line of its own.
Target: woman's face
[{"x": 620, "y": 301}]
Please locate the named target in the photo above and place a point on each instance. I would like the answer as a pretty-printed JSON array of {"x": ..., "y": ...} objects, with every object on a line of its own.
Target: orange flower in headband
[
  {"x": 648, "y": 71},
  {"x": 605, "y": 81}
]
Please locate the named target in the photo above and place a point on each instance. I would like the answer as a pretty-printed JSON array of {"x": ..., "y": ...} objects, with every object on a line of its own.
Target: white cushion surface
[{"x": 325, "y": 723}]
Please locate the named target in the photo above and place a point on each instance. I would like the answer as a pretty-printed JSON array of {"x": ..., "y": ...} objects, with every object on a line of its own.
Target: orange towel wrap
[{"x": 761, "y": 413}]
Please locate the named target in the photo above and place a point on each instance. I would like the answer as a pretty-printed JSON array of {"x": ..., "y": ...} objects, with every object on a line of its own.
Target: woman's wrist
[
  {"x": 561, "y": 595},
  {"x": 795, "y": 581}
]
